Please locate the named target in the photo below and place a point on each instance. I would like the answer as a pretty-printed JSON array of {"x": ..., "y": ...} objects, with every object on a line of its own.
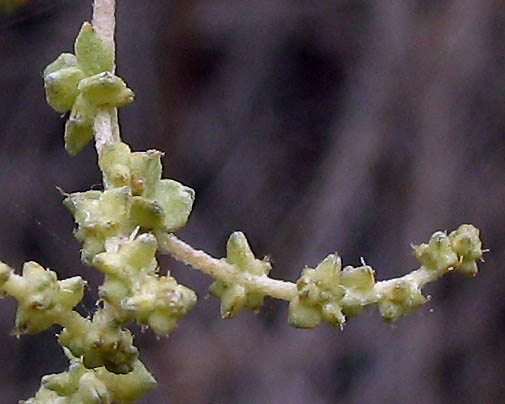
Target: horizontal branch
[{"x": 222, "y": 270}]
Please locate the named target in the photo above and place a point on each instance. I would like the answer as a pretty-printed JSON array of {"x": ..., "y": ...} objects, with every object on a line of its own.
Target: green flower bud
[
  {"x": 61, "y": 87},
  {"x": 438, "y": 254},
  {"x": 303, "y": 315},
  {"x": 319, "y": 294},
  {"x": 235, "y": 297},
  {"x": 176, "y": 201},
  {"x": 468, "y": 268},
  {"x": 147, "y": 214},
  {"x": 99, "y": 215},
  {"x": 146, "y": 172},
  {"x": 358, "y": 278},
  {"x": 466, "y": 243},
  {"x": 41, "y": 297},
  {"x": 93, "y": 54},
  {"x": 160, "y": 303},
  {"x": 63, "y": 61},
  {"x": 103, "y": 343},
  {"x": 106, "y": 89},
  {"x": 130, "y": 387},
  {"x": 92, "y": 390},
  {"x": 114, "y": 163},
  {"x": 5, "y": 273},
  {"x": 399, "y": 300},
  {"x": 61, "y": 383},
  {"x": 135, "y": 289},
  {"x": 79, "y": 126}
]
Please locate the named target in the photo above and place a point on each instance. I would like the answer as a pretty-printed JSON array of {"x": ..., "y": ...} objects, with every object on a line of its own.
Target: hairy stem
[
  {"x": 104, "y": 21},
  {"x": 419, "y": 278},
  {"x": 106, "y": 126},
  {"x": 222, "y": 270}
]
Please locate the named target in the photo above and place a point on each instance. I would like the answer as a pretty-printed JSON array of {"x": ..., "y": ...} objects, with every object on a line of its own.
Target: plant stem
[
  {"x": 223, "y": 271},
  {"x": 418, "y": 278},
  {"x": 104, "y": 21},
  {"x": 106, "y": 126}
]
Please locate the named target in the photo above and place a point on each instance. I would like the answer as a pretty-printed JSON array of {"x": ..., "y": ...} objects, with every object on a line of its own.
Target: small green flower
[
  {"x": 99, "y": 216},
  {"x": 83, "y": 83},
  {"x": 438, "y": 254},
  {"x": 459, "y": 250},
  {"x": 466, "y": 244},
  {"x": 157, "y": 204},
  {"x": 319, "y": 294},
  {"x": 235, "y": 297},
  {"x": 399, "y": 300},
  {"x": 102, "y": 343},
  {"x": 133, "y": 286},
  {"x": 42, "y": 298},
  {"x": 83, "y": 386}
]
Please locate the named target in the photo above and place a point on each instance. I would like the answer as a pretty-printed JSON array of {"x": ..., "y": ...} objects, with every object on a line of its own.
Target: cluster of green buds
[
  {"x": 235, "y": 296},
  {"x": 117, "y": 227},
  {"x": 104, "y": 364},
  {"x": 135, "y": 198},
  {"x": 81, "y": 385},
  {"x": 321, "y": 290},
  {"x": 459, "y": 251},
  {"x": 43, "y": 300},
  {"x": 135, "y": 290},
  {"x": 83, "y": 83},
  {"x": 329, "y": 293}
]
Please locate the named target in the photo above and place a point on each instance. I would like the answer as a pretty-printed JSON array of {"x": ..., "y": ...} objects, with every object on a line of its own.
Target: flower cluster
[
  {"x": 235, "y": 296},
  {"x": 329, "y": 293},
  {"x": 83, "y": 84}
]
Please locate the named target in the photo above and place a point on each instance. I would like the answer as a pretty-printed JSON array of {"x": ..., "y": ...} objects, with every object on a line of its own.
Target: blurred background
[{"x": 312, "y": 126}]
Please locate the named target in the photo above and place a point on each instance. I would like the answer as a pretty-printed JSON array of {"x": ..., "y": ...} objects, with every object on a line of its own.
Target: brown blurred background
[{"x": 312, "y": 126}]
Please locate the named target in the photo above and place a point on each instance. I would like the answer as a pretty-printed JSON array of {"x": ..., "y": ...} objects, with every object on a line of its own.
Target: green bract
[
  {"x": 457, "y": 251},
  {"x": 136, "y": 291},
  {"x": 101, "y": 343},
  {"x": 83, "y": 386},
  {"x": 319, "y": 293},
  {"x": 42, "y": 298},
  {"x": 234, "y": 297},
  {"x": 84, "y": 83},
  {"x": 137, "y": 197},
  {"x": 156, "y": 204}
]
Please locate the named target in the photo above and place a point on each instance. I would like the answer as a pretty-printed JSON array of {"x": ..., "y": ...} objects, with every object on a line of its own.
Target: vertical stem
[
  {"x": 103, "y": 19},
  {"x": 106, "y": 126}
]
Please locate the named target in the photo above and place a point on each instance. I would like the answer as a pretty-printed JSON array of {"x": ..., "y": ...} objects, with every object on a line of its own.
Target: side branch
[
  {"x": 329, "y": 292},
  {"x": 223, "y": 271}
]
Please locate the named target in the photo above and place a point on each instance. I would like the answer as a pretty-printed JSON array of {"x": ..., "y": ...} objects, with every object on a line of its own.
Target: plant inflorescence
[{"x": 123, "y": 226}]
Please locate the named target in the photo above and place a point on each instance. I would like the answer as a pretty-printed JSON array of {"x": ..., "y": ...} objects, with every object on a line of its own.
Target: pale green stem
[
  {"x": 106, "y": 126},
  {"x": 222, "y": 270},
  {"x": 104, "y": 21},
  {"x": 417, "y": 278}
]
